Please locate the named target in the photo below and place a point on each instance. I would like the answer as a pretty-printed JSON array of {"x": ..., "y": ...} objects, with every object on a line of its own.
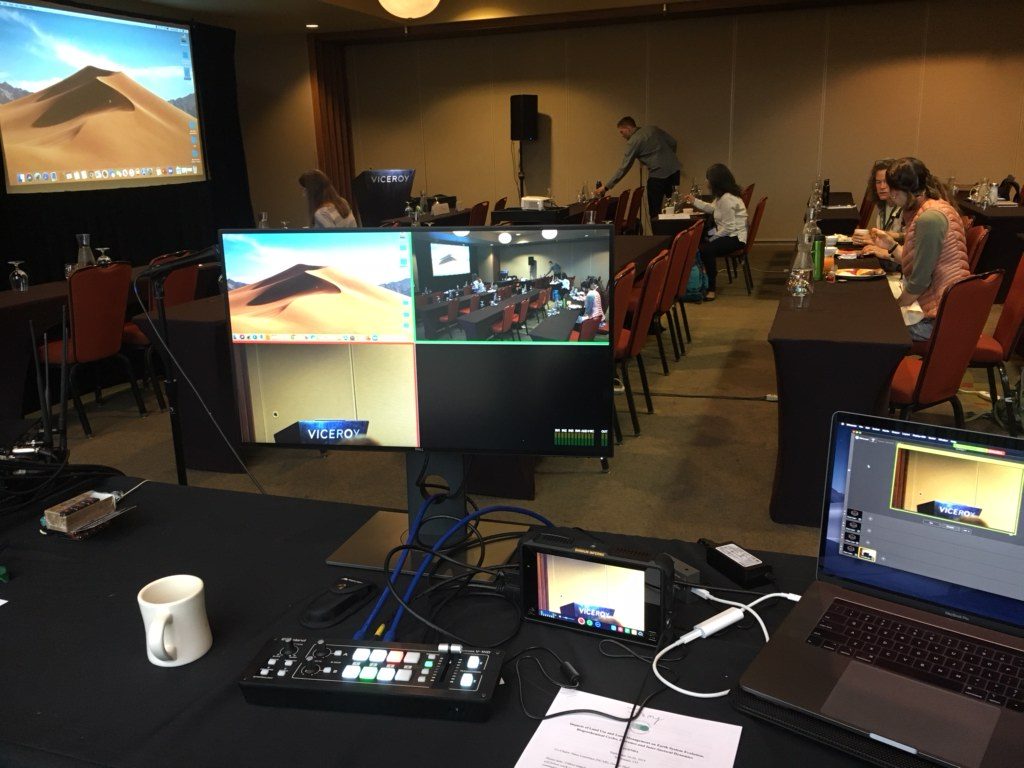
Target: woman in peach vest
[{"x": 934, "y": 251}]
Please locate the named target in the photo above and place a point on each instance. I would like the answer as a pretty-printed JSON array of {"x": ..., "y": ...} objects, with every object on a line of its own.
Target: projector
[{"x": 534, "y": 202}]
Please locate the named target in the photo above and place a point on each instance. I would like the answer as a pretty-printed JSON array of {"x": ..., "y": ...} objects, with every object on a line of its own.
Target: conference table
[
  {"x": 558, "y": 326},
  {"x": 81, "y": 692},
  {"x": 672, "y": 226},
  {"x": 562, "y": 214},
  {"x": 1003, "y": 249},
  {"x": 840, "y": 216},
  {"x": 477, "y": 324},
  {"x": 637, "y": 249},
  {"x": 838, "y": 353},
  {"x": 450, "y": 219}
]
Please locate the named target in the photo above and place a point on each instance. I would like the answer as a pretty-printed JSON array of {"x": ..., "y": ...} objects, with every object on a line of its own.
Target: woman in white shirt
[
  {"x": 327, "y": 209},
  {"x": 730, "y": 227}
]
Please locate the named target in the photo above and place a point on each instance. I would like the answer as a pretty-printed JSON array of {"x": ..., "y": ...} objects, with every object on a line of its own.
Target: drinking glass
[
  {"x": 69, "y": 269},
  {"x": 285, "y": 223},
  {"x": 103, "y": 260},
  {"x": 19, "y": 278}
]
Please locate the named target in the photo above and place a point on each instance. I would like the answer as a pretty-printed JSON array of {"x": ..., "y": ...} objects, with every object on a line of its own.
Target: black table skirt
[
  {"x": 1003, "y": 249},
  {"x": 80, "y": 690},
  {"x": 557, "y": 327},
  {"x": 837, "y": 354}
]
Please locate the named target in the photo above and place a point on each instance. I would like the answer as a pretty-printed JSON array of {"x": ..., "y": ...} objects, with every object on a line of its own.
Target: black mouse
[{"x": 345, "y": 597}]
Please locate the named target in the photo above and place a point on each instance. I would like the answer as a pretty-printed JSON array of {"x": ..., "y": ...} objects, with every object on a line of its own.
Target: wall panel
[{"x": 787, "y": 93}]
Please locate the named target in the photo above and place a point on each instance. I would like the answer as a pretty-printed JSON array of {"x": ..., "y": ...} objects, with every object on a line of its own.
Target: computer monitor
[{"x": 375, "y": 338}]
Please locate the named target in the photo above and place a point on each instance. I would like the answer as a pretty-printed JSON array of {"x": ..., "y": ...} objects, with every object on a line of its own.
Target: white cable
[{"x": 709, "y": 627}]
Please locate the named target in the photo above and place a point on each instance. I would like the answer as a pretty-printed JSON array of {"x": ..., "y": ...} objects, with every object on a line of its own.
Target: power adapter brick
[{"x": 737, "y": 564}]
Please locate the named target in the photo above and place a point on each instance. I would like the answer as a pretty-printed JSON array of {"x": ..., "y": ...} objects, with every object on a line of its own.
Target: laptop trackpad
[{"x": 940, "y": 723}]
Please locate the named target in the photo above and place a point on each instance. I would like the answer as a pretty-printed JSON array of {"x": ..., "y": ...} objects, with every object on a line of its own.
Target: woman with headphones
[{"x": 934, "y": 251}]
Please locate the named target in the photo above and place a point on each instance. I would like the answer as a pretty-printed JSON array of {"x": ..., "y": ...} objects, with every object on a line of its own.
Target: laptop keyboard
[{"x": 949, "y": 660}]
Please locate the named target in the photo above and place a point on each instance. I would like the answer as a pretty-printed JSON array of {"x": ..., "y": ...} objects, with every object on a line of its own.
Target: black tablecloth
[
  {"x": 639, "y": 249},
  {"x": 557, "y": 327},
  {"x": 569, "y": 214},
  {"x": 450, "y": 219},
  {"x": 672, "y": 227},
  {"x": 80, "y": 691},
  {"x": 837, "y": 354},
  {"x": 1003, "y": 249},
  {"x": 198, "y": 336},
  {"x": 41, "y": 304}
]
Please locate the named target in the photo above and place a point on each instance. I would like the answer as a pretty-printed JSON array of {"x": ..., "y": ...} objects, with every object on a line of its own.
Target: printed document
[{"x": 656, "y": 739}]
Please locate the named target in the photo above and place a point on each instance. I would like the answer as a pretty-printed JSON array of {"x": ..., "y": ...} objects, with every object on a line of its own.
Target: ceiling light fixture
[
  {"x": 409, "y": 9},
  {"x": 504, "y": 238},
  {"x": 312, "y": 26}
]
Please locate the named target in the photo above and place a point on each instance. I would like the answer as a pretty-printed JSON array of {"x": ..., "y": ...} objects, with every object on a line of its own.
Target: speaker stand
[{"x": 522, "y": 175}]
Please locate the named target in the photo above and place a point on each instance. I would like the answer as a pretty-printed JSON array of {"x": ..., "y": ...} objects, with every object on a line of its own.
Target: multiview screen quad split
[{"x": 374, "y": 338}]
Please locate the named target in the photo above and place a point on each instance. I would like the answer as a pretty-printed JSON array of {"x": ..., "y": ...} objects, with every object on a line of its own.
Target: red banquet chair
[
  {"x": 97, "y": 301},
  {"x": 922, "y": 382}
]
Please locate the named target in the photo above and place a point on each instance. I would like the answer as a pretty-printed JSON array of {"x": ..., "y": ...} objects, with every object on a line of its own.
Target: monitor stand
[{"x": 368, "y": 547}]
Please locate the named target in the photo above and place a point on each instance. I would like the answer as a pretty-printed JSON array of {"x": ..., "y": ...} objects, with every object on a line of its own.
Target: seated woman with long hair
[
  {"x": 885, "y": 215},
  {"x": 934, "y": 251},
  {"x": 730, "y": 230},
  {"x": 327, "y": 209}
]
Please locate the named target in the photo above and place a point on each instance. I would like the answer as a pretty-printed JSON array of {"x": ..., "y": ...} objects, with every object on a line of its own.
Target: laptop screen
[{"x": 928, "y": 513}]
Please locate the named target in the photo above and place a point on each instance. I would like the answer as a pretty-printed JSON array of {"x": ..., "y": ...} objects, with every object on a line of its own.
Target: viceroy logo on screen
[{"x": 91, "y": 101}]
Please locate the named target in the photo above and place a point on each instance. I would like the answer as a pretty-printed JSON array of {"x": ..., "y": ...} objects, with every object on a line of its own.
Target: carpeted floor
[{"x": 702, "y": 466}]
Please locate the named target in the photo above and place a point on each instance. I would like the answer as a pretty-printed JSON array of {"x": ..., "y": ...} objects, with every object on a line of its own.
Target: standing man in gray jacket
[{"x": 655, "y": 149}]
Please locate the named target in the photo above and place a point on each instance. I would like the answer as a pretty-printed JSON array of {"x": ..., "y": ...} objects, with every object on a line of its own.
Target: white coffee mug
[{"x": 174, "y": 615}]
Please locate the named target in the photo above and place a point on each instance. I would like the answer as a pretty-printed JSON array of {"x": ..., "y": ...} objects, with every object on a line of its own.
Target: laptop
[{"x": 912, "y": 632}]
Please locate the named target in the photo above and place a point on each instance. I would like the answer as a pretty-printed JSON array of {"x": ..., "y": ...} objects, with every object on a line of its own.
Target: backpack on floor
[{"x": 697, "y": 284}]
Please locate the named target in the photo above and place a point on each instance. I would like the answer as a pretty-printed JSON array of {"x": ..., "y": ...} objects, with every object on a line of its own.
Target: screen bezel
[
  {"x": 902, "y": 598},
  {"x": 655, "y": 613},
  {"x": 91, "y": 10},
  {"x": 606, "y": 451}
]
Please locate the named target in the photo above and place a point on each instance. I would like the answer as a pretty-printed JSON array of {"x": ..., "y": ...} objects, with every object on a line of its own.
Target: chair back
[
  {"x": 676, "y": 261},
  {"x": 588, "y": 329},
  {"x": 478, "y": 216},
  {"x": 958, "y": 325},
  {"x": 621, "y": 213},
  {"x": 695, "y": 231},
  {"x": 977, "y": 236},
  {"x": 653, "y": 283},
  {"x": 633, "y": 217},
  {"x": 1010, "y": 325},
  {"x": 500, "y": 205},
  {"x": 755, "y": 223},
  {"x": 506, "y": 318},
  {"x": 98, "y": 301},
  {"x": 603, "y": 205},
  {"x": 621, "y": 289},
  {"x": 522, "y": 308},
  {"x": 746, "y": 194},
  {"x": 867, "y": 204}
]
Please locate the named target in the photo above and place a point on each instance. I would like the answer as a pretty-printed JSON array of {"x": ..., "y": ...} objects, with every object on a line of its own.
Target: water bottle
[
  {"x": 85, "y": 254},
  {"x": 813, "y": 241}
]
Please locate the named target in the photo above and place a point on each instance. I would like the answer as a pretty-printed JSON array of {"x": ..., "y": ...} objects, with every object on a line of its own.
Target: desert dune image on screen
[
  {"x": 95, "y": 102},
  {"x": 299, "y": 286},
  {"x": 968, "y": 490}
]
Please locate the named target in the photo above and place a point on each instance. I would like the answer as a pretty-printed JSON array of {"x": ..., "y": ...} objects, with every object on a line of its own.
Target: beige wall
[
  {"x": 275, "y": 106},
  {"x": 778, "y": 96}
]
